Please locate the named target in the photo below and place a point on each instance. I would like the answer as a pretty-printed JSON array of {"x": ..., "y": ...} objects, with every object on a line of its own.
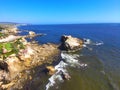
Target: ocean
[{"x": 95, "y": 67}]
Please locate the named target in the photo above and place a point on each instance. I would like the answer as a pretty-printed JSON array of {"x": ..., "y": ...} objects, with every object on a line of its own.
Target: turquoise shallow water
[{"x": 103, "y": 70}]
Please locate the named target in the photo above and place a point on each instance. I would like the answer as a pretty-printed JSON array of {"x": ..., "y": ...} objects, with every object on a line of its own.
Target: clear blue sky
[{"x": 60, "y": 11}]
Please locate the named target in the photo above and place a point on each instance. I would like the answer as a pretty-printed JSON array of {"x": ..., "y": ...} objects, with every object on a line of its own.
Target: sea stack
[{"x": 70, "y": 43}]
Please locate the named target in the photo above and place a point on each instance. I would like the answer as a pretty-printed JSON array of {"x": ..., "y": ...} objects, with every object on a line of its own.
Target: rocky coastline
[{"x": 20, "y": 58}]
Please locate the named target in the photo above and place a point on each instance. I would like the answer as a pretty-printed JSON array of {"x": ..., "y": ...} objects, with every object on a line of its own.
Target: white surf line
[
  {"x": 88, "y": 41},
  {"x": 99, "y": 43},
  {"x": 61, "y": 68},
  {"x": 70, "y": 60}
]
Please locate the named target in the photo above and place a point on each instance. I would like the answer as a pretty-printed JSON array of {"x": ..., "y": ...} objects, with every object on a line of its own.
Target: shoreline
[
  {"x": 22, "y": 63},
  {"x": 36, "y": 55}
]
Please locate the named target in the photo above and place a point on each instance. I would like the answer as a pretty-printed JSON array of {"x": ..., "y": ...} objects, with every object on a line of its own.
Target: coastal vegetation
[{"x": 18, "y": 56}]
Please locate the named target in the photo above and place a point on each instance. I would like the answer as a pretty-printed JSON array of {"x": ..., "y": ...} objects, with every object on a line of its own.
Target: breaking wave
[
  {"x": 67, "y": 60},
  {"x": 88, "y": 41},
  {"x": 70, "y": 60},
  {"x": 99, "y": 43}
]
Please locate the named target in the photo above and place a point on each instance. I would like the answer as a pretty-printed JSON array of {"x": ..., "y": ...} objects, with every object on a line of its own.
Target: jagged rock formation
[
  {"x": 17, "y": 55},
  {"x": 18, "y": 58},
  {"x": 34, "y": 55},
  {"x": 70, "y": 43}
]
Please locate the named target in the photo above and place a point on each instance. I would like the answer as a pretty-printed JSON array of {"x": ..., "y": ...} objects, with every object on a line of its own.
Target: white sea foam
[
  {"x": 61, "y": 68},
  {"x": 84, "y": 45},
  {"x": 69, "y": 60},
  {"x": 87, "y": 41},
  {"x": 99, "y": 43}
]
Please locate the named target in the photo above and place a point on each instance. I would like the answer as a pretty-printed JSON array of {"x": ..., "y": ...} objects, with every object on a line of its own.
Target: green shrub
[{"x": 11, "y": 48}]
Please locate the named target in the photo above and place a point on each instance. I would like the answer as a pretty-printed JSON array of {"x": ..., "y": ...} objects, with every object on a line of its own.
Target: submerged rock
[
  {"x": 51, "y": 70},
  {"x": 31, "y": 33},
  {"x": 70, "y": 43}
]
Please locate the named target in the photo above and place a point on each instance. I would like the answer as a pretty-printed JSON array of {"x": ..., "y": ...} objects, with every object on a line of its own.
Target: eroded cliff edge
[
  {"x": 17, "y": 56},
  {"x": 20, "y": 58}
]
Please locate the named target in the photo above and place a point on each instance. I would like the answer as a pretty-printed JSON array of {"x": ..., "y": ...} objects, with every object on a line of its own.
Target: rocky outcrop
[
  {"x": 31, "y": 33},
  {"x": 18, "y": 57},
  {"x": 12, "y": 71},
  {"x": 51, "y": 70},
  {"x": 9, "y": 38},
  {"x": 70, "y": 43},
  {"x": 10, "y": 30}
]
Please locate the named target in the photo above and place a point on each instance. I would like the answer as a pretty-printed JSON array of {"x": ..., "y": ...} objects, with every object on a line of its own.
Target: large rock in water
[{"x": 70, "y": 43}]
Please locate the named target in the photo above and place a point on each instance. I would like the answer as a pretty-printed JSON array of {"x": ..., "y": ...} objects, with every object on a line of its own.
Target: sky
[{"x": 60, "y": 11}]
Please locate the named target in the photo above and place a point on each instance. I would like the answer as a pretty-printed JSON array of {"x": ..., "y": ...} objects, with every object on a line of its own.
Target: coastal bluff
[{"x": 19, "y": 58}]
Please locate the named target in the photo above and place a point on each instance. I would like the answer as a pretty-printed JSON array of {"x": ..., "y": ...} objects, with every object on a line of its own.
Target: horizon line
[{"x": 60, "y": 23}]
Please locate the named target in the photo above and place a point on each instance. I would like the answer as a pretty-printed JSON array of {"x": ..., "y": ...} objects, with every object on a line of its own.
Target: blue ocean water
[{"x": 108, "y": 53}]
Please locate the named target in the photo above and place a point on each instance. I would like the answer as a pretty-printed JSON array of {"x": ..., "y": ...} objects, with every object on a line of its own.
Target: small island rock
[{"x": 70, "y": 43}]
